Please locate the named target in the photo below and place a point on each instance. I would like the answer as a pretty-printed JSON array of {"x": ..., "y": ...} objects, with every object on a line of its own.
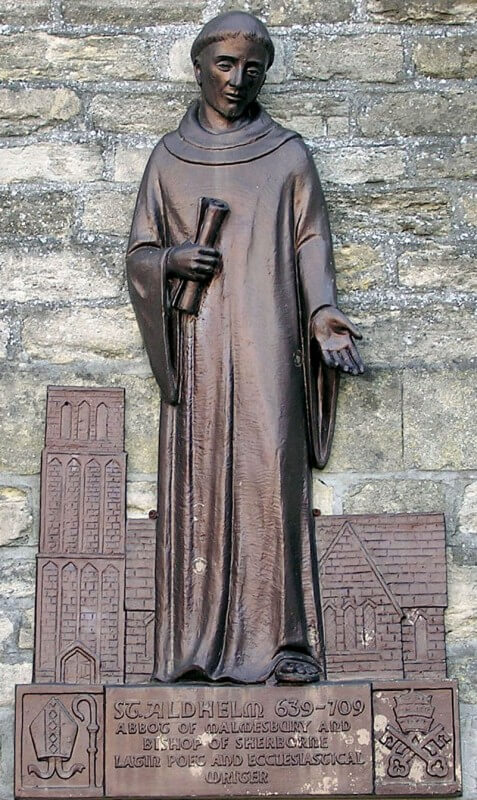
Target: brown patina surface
[{"x": 249, "y": 383}]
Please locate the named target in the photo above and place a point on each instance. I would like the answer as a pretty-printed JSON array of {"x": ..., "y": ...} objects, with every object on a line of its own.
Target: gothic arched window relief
[
  {"x": 89, "y": 593},
  {"x": 113, "y": 507},
  {"x": 72, "y": 506},
  {"x": 369, "y": 626},
  {"x": 54, "y": 505},
  {"x": 350, "y": 628},
  {"x": 420, "y": 634},
  {"x": 92, "y": 507},
  {"x": 101, "y": 422},
  {"x": 109, "y": 619},
  {"x": 83, "y": 421},
  {"x": 65, "y": 422},
  {"x": 49, "y": 615},
  {"x": 69, "y": 605},
  {"x": 330, "y": 628}
]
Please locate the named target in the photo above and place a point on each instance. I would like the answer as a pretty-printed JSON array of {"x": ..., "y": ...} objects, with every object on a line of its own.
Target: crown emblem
[{"x": 414, "y": 711}]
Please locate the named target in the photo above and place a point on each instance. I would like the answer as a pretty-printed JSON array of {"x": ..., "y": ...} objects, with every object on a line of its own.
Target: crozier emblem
[
  {"x": 417, "y": 736},
  {"x": 54, "y": 733}
]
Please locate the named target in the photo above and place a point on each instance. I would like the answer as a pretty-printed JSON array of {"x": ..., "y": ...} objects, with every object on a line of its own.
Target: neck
[{"x": 210, "y": 119}]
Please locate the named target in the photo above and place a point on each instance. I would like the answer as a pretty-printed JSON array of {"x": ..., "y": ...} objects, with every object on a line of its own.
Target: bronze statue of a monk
[{"x": 248, "y": 384}]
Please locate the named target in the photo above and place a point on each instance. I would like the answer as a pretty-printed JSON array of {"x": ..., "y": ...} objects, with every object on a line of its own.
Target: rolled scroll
[{"x": 212, "y": 214}]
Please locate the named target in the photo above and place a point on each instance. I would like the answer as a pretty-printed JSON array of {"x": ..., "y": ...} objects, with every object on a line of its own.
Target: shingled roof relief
[
  {"x": 408, "y": 549},
  {"x": 348, "y": 531}
]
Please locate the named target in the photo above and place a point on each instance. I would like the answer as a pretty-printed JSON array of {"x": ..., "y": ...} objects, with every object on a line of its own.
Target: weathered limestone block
[
  {"x": 414, "y": 113},
  {"x": 142, "y": 421},
  {"x": 450, "y": 57},
  {"x": 468, "y": 734},
  {"x": 10, "y": 674},
  {"x": 23, "y": 12},
  {"x": 312, "y": 114},
  {"x": 22, "y": 410},
  {"x": 375, "y": 57},
  {"x": 467, "y": 207},
  {"x": 7, "y": 759},
  {"x": 180, "y": 65},
  {"x": 350, "y": 165},
  {"x": 457, "y": 160},
  {"x": 129, "y": 163},
  {"x": 15, "y": 515},
  {"x": 4, "y": 337},
  {"x": 467, "y": 521},
  {"x": 461, "y": 624},
  {"x": 25, "y": 633},
  {"x": 289, "y": 12},
  {"x": 438, "y": 266},
  {"x": 61, "y": 274},
  {"x": 464, "y": 540},
  {"x": 368, "y": 431},
  {"x": 82, "y": 334},
  {"x": 6, "y": 629},
  {"x": 439, "y": 420},
  {"x": 411, "y": 337},
  {"x": 447, "y": 11},
  {"x": 26, "y": 110},
  {"x": 18, "y": 574},
  {"x": 108, "y": 212},
  {"x": 323, "y": 495},
  {"x": 131, "y": 12},
  {"x": 462, "y": 665},
  {"x": 139, "y": 113},
  {"x": 26, "y": 56},
  {"x": 51, "y": 161},
  {"x": 395, "y": 496},
  {"x": 419, "y": 211},
  {"x": 141, "y": 498},
  {"x": 359, "y": 267},
  {"x": 36, "y": 214}
]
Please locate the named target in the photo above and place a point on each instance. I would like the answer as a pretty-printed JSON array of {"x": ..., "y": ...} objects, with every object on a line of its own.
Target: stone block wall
[{"x": 384, "y": 93}]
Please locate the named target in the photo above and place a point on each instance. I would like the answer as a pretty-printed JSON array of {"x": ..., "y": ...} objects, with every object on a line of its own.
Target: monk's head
[{"x": 231, "y": 56}]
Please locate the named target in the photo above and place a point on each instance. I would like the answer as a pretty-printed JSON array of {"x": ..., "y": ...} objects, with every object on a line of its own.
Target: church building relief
[{"x": 384, "y": 593}]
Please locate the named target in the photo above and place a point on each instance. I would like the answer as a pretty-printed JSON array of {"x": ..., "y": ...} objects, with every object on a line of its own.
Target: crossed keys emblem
[{"x": 417, "y": 736}]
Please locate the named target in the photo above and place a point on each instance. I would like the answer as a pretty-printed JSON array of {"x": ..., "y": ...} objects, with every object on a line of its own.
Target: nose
[{"x": 236, "y": 77}]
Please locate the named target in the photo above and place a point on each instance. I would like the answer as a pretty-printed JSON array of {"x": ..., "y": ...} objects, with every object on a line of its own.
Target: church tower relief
[{"x": 80, "y": 599}]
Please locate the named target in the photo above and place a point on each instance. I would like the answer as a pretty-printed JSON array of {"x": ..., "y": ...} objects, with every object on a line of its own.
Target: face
[{"x": 231, "y": 74}]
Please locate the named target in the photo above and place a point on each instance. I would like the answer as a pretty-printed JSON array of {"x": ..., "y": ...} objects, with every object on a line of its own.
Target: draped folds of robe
[{"x": 246, "y": 406}]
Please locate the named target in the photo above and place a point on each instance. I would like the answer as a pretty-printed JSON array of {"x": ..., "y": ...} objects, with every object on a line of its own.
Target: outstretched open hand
[{"x": 335, "y": 334}]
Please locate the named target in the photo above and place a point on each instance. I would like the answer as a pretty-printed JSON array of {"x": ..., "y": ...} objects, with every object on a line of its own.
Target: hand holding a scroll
[
  {"x": 199, "y": 260},
  {"x": 335, "y": 335},
  {"x": 193, "y": 262}
]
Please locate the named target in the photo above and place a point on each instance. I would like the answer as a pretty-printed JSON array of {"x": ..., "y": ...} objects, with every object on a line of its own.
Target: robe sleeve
[
  {"x": 148, "y": 285},
  {"x": 317, "y": 288}
]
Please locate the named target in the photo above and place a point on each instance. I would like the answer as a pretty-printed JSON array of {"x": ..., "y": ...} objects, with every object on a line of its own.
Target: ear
[{"x": 197, "y": 72}]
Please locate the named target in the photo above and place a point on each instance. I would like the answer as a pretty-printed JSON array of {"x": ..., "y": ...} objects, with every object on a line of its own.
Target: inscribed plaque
[{"x": 201, "y": 741}]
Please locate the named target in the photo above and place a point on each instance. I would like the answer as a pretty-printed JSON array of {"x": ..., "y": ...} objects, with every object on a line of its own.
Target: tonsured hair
[{"x": 202, "y": 42}]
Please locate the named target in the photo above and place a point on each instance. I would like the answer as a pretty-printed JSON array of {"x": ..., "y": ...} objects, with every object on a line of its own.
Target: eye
[
  {"x": 225, "y": 66},
  {"x": 254, "y": 72}
]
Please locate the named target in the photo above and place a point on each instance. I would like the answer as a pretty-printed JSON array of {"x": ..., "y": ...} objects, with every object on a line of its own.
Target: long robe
[{"x": 246, "y": 405}]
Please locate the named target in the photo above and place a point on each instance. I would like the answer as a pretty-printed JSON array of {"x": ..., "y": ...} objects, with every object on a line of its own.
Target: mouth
[{"x": 234, "y": 98}]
